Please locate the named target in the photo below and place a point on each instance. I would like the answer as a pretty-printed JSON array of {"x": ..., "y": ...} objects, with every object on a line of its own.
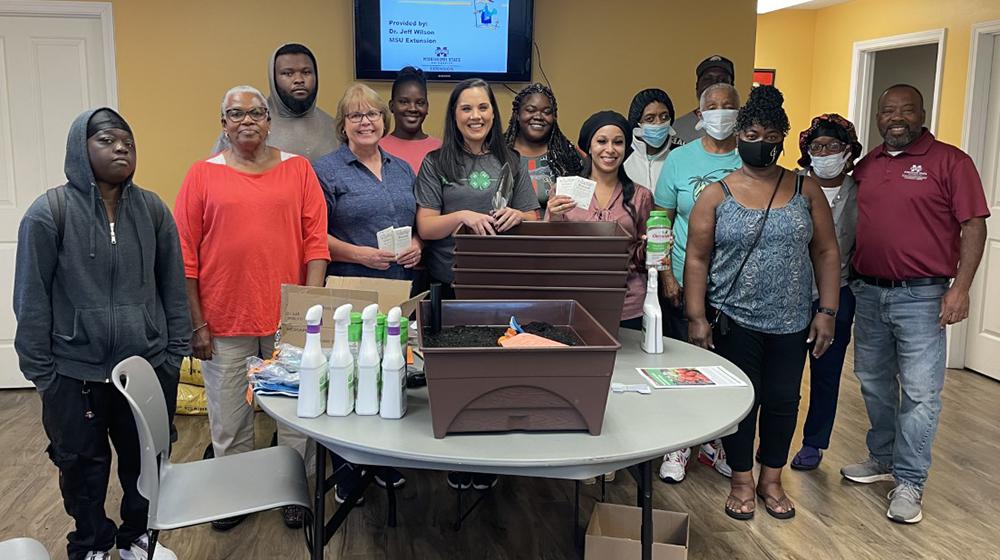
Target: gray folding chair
[
  {"x": 23, "y": 549},
  {"x": 185, "y": 494}
]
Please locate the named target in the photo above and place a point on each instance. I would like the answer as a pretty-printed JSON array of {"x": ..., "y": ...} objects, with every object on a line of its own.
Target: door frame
[
  {"x": 863, "y": 71},
  {"x": 101, "y": 11},
  {"x": 977, "y": 92},
  {"x": 97, "y": 10}
]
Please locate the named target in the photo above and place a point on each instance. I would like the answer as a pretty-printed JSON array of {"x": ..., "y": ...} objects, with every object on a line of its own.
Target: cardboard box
[
  {"x": 359, "y": 292},
  {"x": 614, "y": 533}
]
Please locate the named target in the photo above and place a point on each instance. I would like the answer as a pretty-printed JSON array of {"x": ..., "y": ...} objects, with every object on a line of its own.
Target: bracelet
[
  {"x": 827, "y": 311},
  {"x": 199, "y": 327}
]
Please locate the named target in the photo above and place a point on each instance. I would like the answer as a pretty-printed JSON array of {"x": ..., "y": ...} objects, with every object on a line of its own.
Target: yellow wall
[
  {"x": 792, "y": 58},
  {"x": 835, "y": 30},
  {"x": 176, "y": 59}
]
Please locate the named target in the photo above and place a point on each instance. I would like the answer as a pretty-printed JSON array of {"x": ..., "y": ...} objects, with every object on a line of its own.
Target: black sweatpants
[
  {"x": 79, "y": 448},
  {"x": 774, "y": 363}
]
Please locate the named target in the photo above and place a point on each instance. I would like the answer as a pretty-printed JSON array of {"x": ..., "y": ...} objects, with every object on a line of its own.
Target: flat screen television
[{"x": 451, "y": 40}]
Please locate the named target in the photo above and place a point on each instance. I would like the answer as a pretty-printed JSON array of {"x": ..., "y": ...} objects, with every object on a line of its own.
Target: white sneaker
[
  {"x": 97, "y": 555},
  {"x": 139, "y": 551},
  {"x": 674, "y": 465},
  {"x": 714, "y": 455}
]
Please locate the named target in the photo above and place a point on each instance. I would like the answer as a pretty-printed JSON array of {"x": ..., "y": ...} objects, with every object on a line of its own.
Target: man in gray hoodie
[
  {"x": 298, "y": 126},
  {"x": 99, "y": 277}
]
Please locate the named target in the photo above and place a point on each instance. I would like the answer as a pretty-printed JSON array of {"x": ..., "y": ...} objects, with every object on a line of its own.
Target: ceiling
[{"x": 764, "y": 6}]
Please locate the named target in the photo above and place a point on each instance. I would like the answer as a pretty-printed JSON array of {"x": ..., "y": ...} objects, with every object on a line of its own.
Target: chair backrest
[
  {"x": 137, "y": 382},
  {"x": 23, "y": 549}
]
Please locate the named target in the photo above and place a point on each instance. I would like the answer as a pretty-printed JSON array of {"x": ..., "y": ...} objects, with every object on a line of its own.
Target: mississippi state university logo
[
  {"x": 441, "y": 52},
  {"x": 915, "y": 173}
]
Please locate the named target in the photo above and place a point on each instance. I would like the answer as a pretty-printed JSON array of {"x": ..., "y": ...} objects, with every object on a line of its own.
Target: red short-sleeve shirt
[{"x": 911, "y": 207}]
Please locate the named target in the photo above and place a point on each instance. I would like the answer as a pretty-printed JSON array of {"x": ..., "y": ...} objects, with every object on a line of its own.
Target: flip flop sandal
[
  {"x": 807, "y": 459},
  {"x": 736, "y": 513},
  {"x": 790, "y": 513}
]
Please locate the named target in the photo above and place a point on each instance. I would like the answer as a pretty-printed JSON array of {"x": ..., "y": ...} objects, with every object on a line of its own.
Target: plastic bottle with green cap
[
  {"x": 658, "y": 237},
  {"x": 354, "y": 335}
]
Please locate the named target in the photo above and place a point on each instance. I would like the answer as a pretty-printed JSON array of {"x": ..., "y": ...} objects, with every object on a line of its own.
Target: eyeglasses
[
  {"x": 257, "y": 114},
  {"x": 829, "y": 148},
  {"x": 372, "y": 116}
]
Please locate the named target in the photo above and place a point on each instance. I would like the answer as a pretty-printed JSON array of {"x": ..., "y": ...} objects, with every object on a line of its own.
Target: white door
[
  {"x": 51, "y": 69},
  {"x": 983, "y": 346}
]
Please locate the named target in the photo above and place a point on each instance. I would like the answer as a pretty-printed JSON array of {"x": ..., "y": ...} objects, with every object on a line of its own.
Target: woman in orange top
[{"x": 250, "y": 219}]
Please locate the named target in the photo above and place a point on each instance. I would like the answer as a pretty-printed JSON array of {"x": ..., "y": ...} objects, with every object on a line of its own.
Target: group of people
[{"x": 768, "y": 265}]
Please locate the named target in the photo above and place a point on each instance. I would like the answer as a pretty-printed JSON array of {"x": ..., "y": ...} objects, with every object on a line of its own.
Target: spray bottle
[
  {"x": 368, "y": 365},
  {"x": 652, "y": 317},
  {"x": 340, "y": 400},
  {"x": 313, "y": 369},
  {"x": 393, "y": 405}
]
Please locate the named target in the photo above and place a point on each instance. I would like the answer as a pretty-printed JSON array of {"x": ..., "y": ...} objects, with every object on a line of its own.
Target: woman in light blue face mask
[
  {"x": 829, "y": 147},
  {"x": 651, "y": 116}
]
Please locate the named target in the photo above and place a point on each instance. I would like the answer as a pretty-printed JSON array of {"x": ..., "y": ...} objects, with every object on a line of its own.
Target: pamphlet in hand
[
  {"x": 579, "y": 189},
  {"x": 683, "y": 377},
  {"x": 394, "y": 239}
]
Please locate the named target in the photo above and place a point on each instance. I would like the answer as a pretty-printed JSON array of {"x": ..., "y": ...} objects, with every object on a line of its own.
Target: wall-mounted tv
[{"x": 450, "y": 40}]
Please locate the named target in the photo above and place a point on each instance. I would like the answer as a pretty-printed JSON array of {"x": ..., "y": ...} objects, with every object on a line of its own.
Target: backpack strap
[
  {"x": 155, "y": 210},
  {"x": 798, "y": 183},
  {"x": 57, "y": 205}
]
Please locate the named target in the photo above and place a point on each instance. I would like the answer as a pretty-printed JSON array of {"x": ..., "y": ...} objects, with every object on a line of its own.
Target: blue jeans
[
  {"x": 824, "y": 376},
  {"x": 899, "y": 358}
]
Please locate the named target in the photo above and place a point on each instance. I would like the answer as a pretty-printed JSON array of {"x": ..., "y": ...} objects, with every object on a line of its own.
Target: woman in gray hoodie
[{"x": 99, "y": 278}]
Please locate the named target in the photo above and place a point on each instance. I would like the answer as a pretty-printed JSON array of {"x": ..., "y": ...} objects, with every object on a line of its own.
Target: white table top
[{"x": 636, "y": 427}]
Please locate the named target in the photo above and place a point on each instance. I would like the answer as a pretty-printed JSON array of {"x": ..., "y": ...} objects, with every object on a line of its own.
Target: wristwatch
[{"x": 827, "y": 311}]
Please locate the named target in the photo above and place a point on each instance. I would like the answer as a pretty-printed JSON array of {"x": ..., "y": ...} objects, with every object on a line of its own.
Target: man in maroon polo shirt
[{"x": 920, "y": 235}]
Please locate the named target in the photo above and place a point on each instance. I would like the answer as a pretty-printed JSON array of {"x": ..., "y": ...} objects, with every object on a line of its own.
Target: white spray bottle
[
  {"x": 368, "y": 365},
  {"x": 313, "y": 369},
  {"x": 340, "y": 399},
  {"x": 393, "y": 405},
  {"x": 652, "y": 317}
]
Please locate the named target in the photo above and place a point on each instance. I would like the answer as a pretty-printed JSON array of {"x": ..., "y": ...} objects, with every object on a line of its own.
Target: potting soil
[{"x": 486, "y": 336}]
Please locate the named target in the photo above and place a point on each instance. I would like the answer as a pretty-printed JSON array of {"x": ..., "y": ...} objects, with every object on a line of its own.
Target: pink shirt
[
  {"x": 410, "y": 151},
  {"x": 615, "y": 211}
]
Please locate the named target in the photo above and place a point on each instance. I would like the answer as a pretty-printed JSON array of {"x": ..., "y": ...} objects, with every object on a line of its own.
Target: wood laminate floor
[{"x": 528, "y": 518}]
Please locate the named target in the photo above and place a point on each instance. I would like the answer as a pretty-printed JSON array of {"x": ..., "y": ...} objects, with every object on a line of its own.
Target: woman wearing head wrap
[
  {"x": 533, "y": 132},
  {"x": 607, "y": 137},
  {"x": 761, "y": 231},
  {"x": 829, "y": 147},
  {"x": 99, "y": 278},
  {"x": 650, "y": 119}
]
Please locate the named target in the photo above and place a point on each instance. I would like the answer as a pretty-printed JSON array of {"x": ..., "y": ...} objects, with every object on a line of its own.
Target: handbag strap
[{"x": 753, "y": 246}]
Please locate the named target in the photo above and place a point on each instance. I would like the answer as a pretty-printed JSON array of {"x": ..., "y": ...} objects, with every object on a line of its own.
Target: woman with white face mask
[
  {"x": 650, "y": 117},
  {"x": 687, "y": 171},
  {"x": 829, "y": 147}
]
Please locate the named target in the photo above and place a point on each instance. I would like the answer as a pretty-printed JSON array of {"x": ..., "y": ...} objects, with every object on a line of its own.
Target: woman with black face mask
[{"x": 754, "y": 240}]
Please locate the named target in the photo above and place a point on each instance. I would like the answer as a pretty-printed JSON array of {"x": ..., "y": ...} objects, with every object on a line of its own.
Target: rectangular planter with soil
[{"x": 495, "y": 389}]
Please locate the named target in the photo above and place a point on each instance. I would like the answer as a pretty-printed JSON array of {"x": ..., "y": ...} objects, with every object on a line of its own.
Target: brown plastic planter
[
  {"x": 531, "y": 389},
  {"x": 543, "y": 261},
  {"x": 605, "y": 304},
  {"x": 540, "y": 278},
  {"x": 549, "y": 237}
]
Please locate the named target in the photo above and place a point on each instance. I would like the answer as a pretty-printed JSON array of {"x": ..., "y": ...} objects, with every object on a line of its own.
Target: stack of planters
[
  {"x": 570, "y": 276},
  {"x": 582, "y": 261}
]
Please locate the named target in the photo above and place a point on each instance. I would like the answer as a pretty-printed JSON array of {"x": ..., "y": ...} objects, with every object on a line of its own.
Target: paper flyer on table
[
  {"x": 684, "y": 377},
  {"x": 579, "y": 189}
]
